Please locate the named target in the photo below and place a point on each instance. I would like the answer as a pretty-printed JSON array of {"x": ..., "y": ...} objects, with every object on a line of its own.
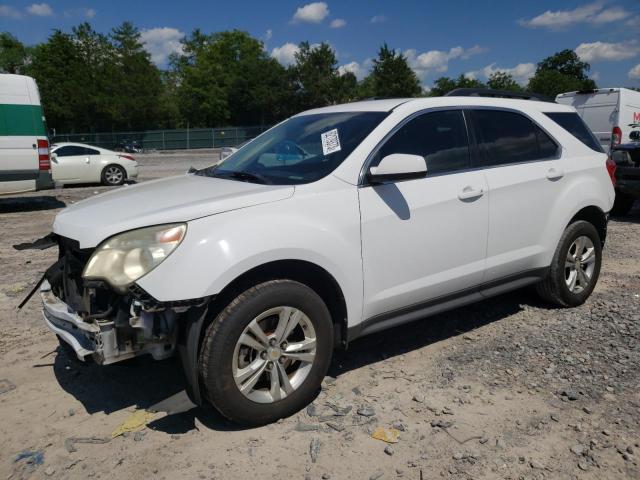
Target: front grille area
[{"x": 65, "y": 276}]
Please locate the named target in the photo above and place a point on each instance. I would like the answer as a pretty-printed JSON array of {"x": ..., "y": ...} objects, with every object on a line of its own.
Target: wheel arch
[
  {"x": 595, "y": 216},
  {"x": 305, "y": 272},
  {"x": 310, "y": 274}
]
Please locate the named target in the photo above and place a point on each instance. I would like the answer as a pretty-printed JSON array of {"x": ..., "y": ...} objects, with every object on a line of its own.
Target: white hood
[{"x": 168, "y": 200}]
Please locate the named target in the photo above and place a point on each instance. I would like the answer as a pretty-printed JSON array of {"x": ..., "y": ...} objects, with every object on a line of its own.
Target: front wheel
[
  {"x": 264, "y": 356},
  {"x": 575, "y": 267}
]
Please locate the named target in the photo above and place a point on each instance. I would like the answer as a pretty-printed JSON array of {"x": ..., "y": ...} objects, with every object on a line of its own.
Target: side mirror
[
  {"x": 396, "y": 167},
  {"x": 54, "y": 156}
]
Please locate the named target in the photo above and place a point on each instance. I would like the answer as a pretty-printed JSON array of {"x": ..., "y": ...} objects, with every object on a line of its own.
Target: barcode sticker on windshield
[{"x": 330, "y": 142}]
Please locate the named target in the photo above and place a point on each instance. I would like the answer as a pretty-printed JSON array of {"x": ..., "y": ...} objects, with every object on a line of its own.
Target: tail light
[
  {"x": 128, "y": 157},
  {"x": 44, "y": 158},
  {"x": 616, "y": 136},
  {"x": 611, "y": 170}
]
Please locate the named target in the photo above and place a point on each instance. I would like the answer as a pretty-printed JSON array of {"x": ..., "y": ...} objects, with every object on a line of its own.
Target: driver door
[
  {"x": 71, "y": 164},
  {"x": 424, "y": 240}
]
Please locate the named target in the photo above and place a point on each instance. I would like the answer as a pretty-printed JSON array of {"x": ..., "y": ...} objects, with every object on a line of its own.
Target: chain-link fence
[{"x": 178, "y": 139}]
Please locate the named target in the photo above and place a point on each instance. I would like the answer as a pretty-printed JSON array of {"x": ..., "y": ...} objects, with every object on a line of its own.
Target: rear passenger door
[{"x": 525, "y": 177}]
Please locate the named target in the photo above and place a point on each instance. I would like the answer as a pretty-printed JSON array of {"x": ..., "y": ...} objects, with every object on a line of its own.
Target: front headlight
[{"x": 124, "y": 258}]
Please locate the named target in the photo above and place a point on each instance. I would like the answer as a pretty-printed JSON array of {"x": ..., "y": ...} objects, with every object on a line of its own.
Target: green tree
[
  {"x": 13, "y": 54},
  {"x": 228, "y": 77},
  {"x": 503, "y": 81},
  {"x": 55, "y": 64},
  {"x": 566, "y": 62},
  {"x": 98, "y": 111},
  {"x": 444, "y": 85},
  {"x": 561, "y": 72},
  {"x": 391, "y": 75},
  {"x": 136, "y": 84},
  {"x": 316, "y": 79}
]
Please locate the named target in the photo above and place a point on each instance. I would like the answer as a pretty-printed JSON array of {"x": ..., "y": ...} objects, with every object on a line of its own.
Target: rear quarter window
[
  {"x": 509, "y": 137},
  {"x": 573, "y": 124}
]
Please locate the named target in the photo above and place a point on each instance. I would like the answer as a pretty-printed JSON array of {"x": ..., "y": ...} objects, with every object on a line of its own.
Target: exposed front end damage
[{"x": 100, "y": 323}]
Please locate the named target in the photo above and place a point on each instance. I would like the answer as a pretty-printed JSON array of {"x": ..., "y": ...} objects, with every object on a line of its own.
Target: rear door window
[
  {"x": 573, "y": 124},
  {"x": 509, "y": 137}
]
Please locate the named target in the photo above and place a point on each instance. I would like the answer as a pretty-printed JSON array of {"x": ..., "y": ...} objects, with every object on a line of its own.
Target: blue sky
[{"x": 439, "y": 38}]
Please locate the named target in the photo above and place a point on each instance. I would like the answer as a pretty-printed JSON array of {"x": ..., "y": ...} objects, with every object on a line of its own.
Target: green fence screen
[{"x": 178, "y": 139}]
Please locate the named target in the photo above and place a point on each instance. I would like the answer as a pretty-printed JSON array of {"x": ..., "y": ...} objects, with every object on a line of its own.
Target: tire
[
  {"x": 113, "y": 175},
  {"x": 223, "y": 358},
  {"x": 622, "y": 204},
  {"x": 556, "y": 288}
]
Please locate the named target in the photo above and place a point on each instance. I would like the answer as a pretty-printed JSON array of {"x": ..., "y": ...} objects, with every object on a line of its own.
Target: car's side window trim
[
  {"x": 475, "y": 153},
  {"x": 481, "y": 153},
  {"x": 363, "y": 182}
]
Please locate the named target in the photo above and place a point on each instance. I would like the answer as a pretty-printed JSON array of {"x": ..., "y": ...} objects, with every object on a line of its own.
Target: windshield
[{"x": 300, "y": 150}]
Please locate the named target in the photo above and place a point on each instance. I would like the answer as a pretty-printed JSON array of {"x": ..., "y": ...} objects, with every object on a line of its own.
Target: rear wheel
[
  {"x": 264, "y": 356},
  {"x": 622, "y": 204},
  {"x": 575, "y": 267},
  {"x": 113, "y": 175}
]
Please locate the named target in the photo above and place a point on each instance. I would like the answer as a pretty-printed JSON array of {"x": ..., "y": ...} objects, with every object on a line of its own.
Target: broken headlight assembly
[{"x": 126, "y": 257}]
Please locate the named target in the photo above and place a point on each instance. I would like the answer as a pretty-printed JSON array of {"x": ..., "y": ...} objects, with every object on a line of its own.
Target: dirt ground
[{"x": 506, "y": 389}]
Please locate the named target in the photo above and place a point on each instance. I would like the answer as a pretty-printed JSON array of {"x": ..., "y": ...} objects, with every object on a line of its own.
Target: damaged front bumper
[
  {"x": 103, "y": 340},
  {"x": 100, "y": 323}
]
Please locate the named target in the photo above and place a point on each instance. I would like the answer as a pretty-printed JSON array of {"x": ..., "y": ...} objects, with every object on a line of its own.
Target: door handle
[
  {"x": 555, "y": 173},
  {"x": 469, "y": 193},
  {"x": 86, "y": 160}
]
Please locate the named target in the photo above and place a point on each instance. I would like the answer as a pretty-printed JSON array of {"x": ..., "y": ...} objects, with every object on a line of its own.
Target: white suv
[{"x": 336, "y": 223}]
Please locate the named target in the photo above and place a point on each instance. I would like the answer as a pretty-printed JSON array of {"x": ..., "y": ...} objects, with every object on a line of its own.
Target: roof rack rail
[{"x": 488, "y": 92}]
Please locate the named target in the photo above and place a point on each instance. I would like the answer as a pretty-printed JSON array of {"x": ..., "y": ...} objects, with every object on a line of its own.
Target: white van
[
  {"x": 24, "y": 147},
  {"x": 608, "y": 112}
]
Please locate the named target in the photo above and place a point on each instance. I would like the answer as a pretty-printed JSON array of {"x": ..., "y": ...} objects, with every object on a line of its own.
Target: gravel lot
[{"x": 507, "y": 388}]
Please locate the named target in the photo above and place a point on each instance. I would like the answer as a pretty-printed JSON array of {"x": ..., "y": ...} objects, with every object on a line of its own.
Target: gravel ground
[{"x": 507, "y": 388}]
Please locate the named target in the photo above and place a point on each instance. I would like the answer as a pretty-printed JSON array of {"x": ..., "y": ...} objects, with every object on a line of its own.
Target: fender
[{"x": 219, "y": 248}]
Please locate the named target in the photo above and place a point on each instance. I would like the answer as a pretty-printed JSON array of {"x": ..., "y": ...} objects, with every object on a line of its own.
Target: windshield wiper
[{"x": 243, "y": 176}]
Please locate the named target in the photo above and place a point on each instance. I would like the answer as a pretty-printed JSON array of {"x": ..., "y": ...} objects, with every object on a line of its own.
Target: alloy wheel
[
  {"x": 579, "y": 264},
  {"x": 274, "y": 354},
  {"x": 113, "y": 175}
]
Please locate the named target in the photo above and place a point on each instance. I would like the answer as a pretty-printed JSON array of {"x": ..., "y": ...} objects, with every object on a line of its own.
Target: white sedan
[{"x": 79, "y": 163}]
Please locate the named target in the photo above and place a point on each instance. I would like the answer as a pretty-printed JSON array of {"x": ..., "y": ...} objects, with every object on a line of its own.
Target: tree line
[{"x": 95, "y": 82}]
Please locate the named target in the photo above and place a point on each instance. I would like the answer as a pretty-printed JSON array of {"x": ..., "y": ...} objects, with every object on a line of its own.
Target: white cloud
[
  {"x": 268, "y": 36},
  {"x": 359, "y": 70},
  {"x": 521, "y": 73},
  {"x": 80, "y": 12},
  {"x": 40, "y": 10},
  {"x": 10, "y": 12},
  {"x": 378, "y": 19},
  {"x": 594, "y": 13},
  {"x": 338, "y": 23},
  {"x": 285, "y": 54},
  {"x": 312, "y": 12},
  {"x": 161, "y": 42},
  {"x": 438, "y": 60},
  {"x": 596, "y": 51},
  {"x": 635, "y": 72}
]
